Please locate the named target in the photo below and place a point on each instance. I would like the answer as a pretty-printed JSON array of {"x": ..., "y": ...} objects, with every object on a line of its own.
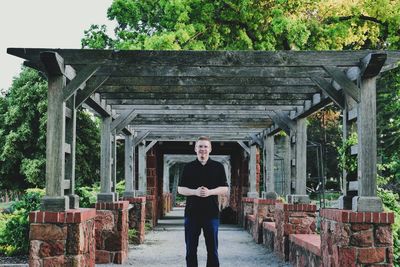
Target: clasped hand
[{"x": 202, "y": 191}]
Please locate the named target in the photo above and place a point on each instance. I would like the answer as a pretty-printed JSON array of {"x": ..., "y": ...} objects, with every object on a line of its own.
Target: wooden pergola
[{"x": 241, "y": 96}]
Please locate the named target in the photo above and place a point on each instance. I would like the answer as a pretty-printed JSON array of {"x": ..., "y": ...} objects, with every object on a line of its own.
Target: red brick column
[
  {"x": 62, "y": 238},
  {"x": 356, "y": 238},
  {"x": 137, "y": 217},
  {"x": 247, "y": 208},
  {"x": 264, "y": 211},
  {"x": 112, "y": 232},
  {"x": 292, "y": 219},
  {"x": 151, "y": 210}
]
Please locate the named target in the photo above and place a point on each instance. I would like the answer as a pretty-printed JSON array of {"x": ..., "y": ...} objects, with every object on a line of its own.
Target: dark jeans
[{"x": 193, "y": 228}]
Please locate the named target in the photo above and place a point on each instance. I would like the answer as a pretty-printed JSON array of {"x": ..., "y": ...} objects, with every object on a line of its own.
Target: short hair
[{"x": 204, "y": 138}]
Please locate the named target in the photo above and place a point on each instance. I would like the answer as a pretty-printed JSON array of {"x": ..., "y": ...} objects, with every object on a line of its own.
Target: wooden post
[
  {"x": 55, "y": 146},
  {"x": 105, "y": 194},
  {"x": 129, "y": 167},
  {"x": 114, "y": 165},
  {"x": 300, "y": 195},
  {"x": 70, "y": 139},
  {"x": 367, "y": 199},
  {"x": 142, "y": 168},
  {"x": 287, "y": 166},
  {"x": 252, "y": 173},
  {"x": 269, "y": 164},
  {"x": 166, "y": 174}
]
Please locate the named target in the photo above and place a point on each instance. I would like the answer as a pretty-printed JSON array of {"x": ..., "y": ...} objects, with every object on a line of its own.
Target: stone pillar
[
  {"x": 247, "y": 208},
  {"x": 300, "y": 195},
  {"x": 64, "y": 238},
  {"x": 356, "y": 238},
  {"x": 264, "y": 211},
  {"x": 112, "y": 232},
  {"x": 137, "y": 217},
  {"x": 292, "y": 219},
  {"x": 367, "y": 199},
  {"x": 253, "y": 192},
  {"x": 129, "y": 167},
  {"x": 105, "y": 195}
]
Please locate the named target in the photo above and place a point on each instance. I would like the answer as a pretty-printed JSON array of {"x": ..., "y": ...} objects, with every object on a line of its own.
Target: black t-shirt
[{"x": 210, "y": 175}]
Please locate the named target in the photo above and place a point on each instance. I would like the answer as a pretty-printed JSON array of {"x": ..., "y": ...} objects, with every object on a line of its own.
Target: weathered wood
[
  {"x": 347, "y": 85},
  {"x": 283, "y": 121},
  {"x": 269, "y": 164},
  {"x": 253, "y": 192},
  {"x": 82, "y": 95},
  {"x": 207, "y": 81},
  {"x": 114, "y": 164},
  {"x": 105, "y": 156},
  {"x": 277, "y": 103},
  {"x": 371, "y": 65},
  {"x": 244, "y": 146},
  {"x": 335, "y": 95},
  {"x": 55, "y": 157},
  {"x": 208, "y": 89},
  {"x": 149, "y": 146},
  {"x": 366, "y": 129},
  {"x": 142, "y": 167},
  {"x": 140, "y": 137},
  {"x": 206, "y": 108},
  {"x": 53, "y": 63},
  {"x": 79, "y": 81},
  {"x": 207, "y": 58},
  {"x": 198, "y": 96},
  {"x": 70, "y": 138},
  {"x": 122, "y": 120},
  {"x": 301, "y": 156},
  {"x": 210, "y": 123}
]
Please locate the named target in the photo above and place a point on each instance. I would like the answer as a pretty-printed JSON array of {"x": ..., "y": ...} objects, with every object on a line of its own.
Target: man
[{"x": 202, "y": 181}]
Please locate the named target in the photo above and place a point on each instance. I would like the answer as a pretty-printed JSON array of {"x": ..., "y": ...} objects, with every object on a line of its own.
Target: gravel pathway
[{"x": 165, "y": 246}]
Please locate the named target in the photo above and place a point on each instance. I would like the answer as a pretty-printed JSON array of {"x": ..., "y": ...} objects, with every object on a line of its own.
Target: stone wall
[
  {"x": 356, "y": 238},
  {"x": 247, "y": 208},
  {"x": 151, "y": 210},
  {"x": 269, "y": 235},
  {"x": 264, "y": 211},
  {"x": 137, "y": 217},
  {"x": 305, "y": 250},
  {"x": 292, "y": 219},
  {"x": 62, "y": 238},
  {"x": 112, "y": 232}
]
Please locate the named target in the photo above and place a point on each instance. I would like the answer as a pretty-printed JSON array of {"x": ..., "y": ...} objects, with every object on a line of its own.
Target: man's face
[{"x": 203, "y": 149}]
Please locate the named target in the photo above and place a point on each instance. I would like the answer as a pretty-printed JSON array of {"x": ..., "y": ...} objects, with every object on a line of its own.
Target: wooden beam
[
  {"x": 335, "y": 95},
  {"x": 84, "y": 94},
  {"x": 123, "y": 120},
  {"x": 80, "y": 80},
  {"x": 53, "y": 63},
  {"x": 309, "y": 89},
  {"x": 207, "y": 58},
  {"x": 149, "y": 146},
  {"x": 284, "y": 122},
  {"x": 347, "y": 85},
  {"x": 243, "y": 145},
  {"x": 371, "y": 65},
  {"x": 233, "y": 102},
  {"x": 207, "y": 108},
  {"x": 140, "y": 137}
]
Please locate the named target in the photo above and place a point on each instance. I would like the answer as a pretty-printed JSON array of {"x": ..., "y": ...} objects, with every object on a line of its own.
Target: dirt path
[{"x": 165, "y": 246}]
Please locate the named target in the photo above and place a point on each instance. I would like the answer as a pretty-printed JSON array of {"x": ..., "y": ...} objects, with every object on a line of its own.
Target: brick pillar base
[
  {"x": 62, "y": 238},
  {"x": 356, "y": 238},
  {"x": 137, "y": 217},
  {"x": 264, "y": 210},
  {"x": 247, "y": 208},
  {"x": 112, "y": 232},
  {"x": 151, "y": 210},
  {"x": 292, "y": 219},
  {"x": 165, "y": 204}
]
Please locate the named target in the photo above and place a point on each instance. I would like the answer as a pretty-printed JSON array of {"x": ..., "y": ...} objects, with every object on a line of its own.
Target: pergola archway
[{"x": 244, "y": 96}]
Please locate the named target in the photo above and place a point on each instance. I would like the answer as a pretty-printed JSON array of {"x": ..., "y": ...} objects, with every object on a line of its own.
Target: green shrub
[
  {"x": 14, "y": 229},
  {"x": 132, "y": 236},
  {"x": 88, "y": 195}
]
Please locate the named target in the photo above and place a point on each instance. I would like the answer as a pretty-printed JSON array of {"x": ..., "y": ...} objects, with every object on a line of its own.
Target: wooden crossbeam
[
  {"x": 347, "y": 85},
  {"x": 335, "y": 95},
  {"x": 123, "y": 120},
  {"x": 244, "y": 146},
  {"x": 53, "y": 63},
  {"x": 79, "y": 80},
  {"x": 371, "y": 65},
  {"x": 284, "y": 122},
  {"x": 85, "y": 93},
  {"x": 233, "y": 102}
]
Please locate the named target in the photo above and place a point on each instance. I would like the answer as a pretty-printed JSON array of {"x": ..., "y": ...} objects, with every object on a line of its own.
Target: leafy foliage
[{"x": 14, "y": 228}]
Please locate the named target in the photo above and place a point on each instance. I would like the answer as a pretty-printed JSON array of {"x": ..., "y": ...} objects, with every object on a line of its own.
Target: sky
[{"x": 45, "y": 24}]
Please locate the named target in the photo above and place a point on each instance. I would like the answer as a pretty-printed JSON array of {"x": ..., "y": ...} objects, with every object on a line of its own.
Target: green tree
[{"x": 23, "y": 117}]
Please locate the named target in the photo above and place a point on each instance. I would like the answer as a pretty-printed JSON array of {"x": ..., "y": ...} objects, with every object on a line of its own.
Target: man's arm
[{"x": 188, "y": 192}]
